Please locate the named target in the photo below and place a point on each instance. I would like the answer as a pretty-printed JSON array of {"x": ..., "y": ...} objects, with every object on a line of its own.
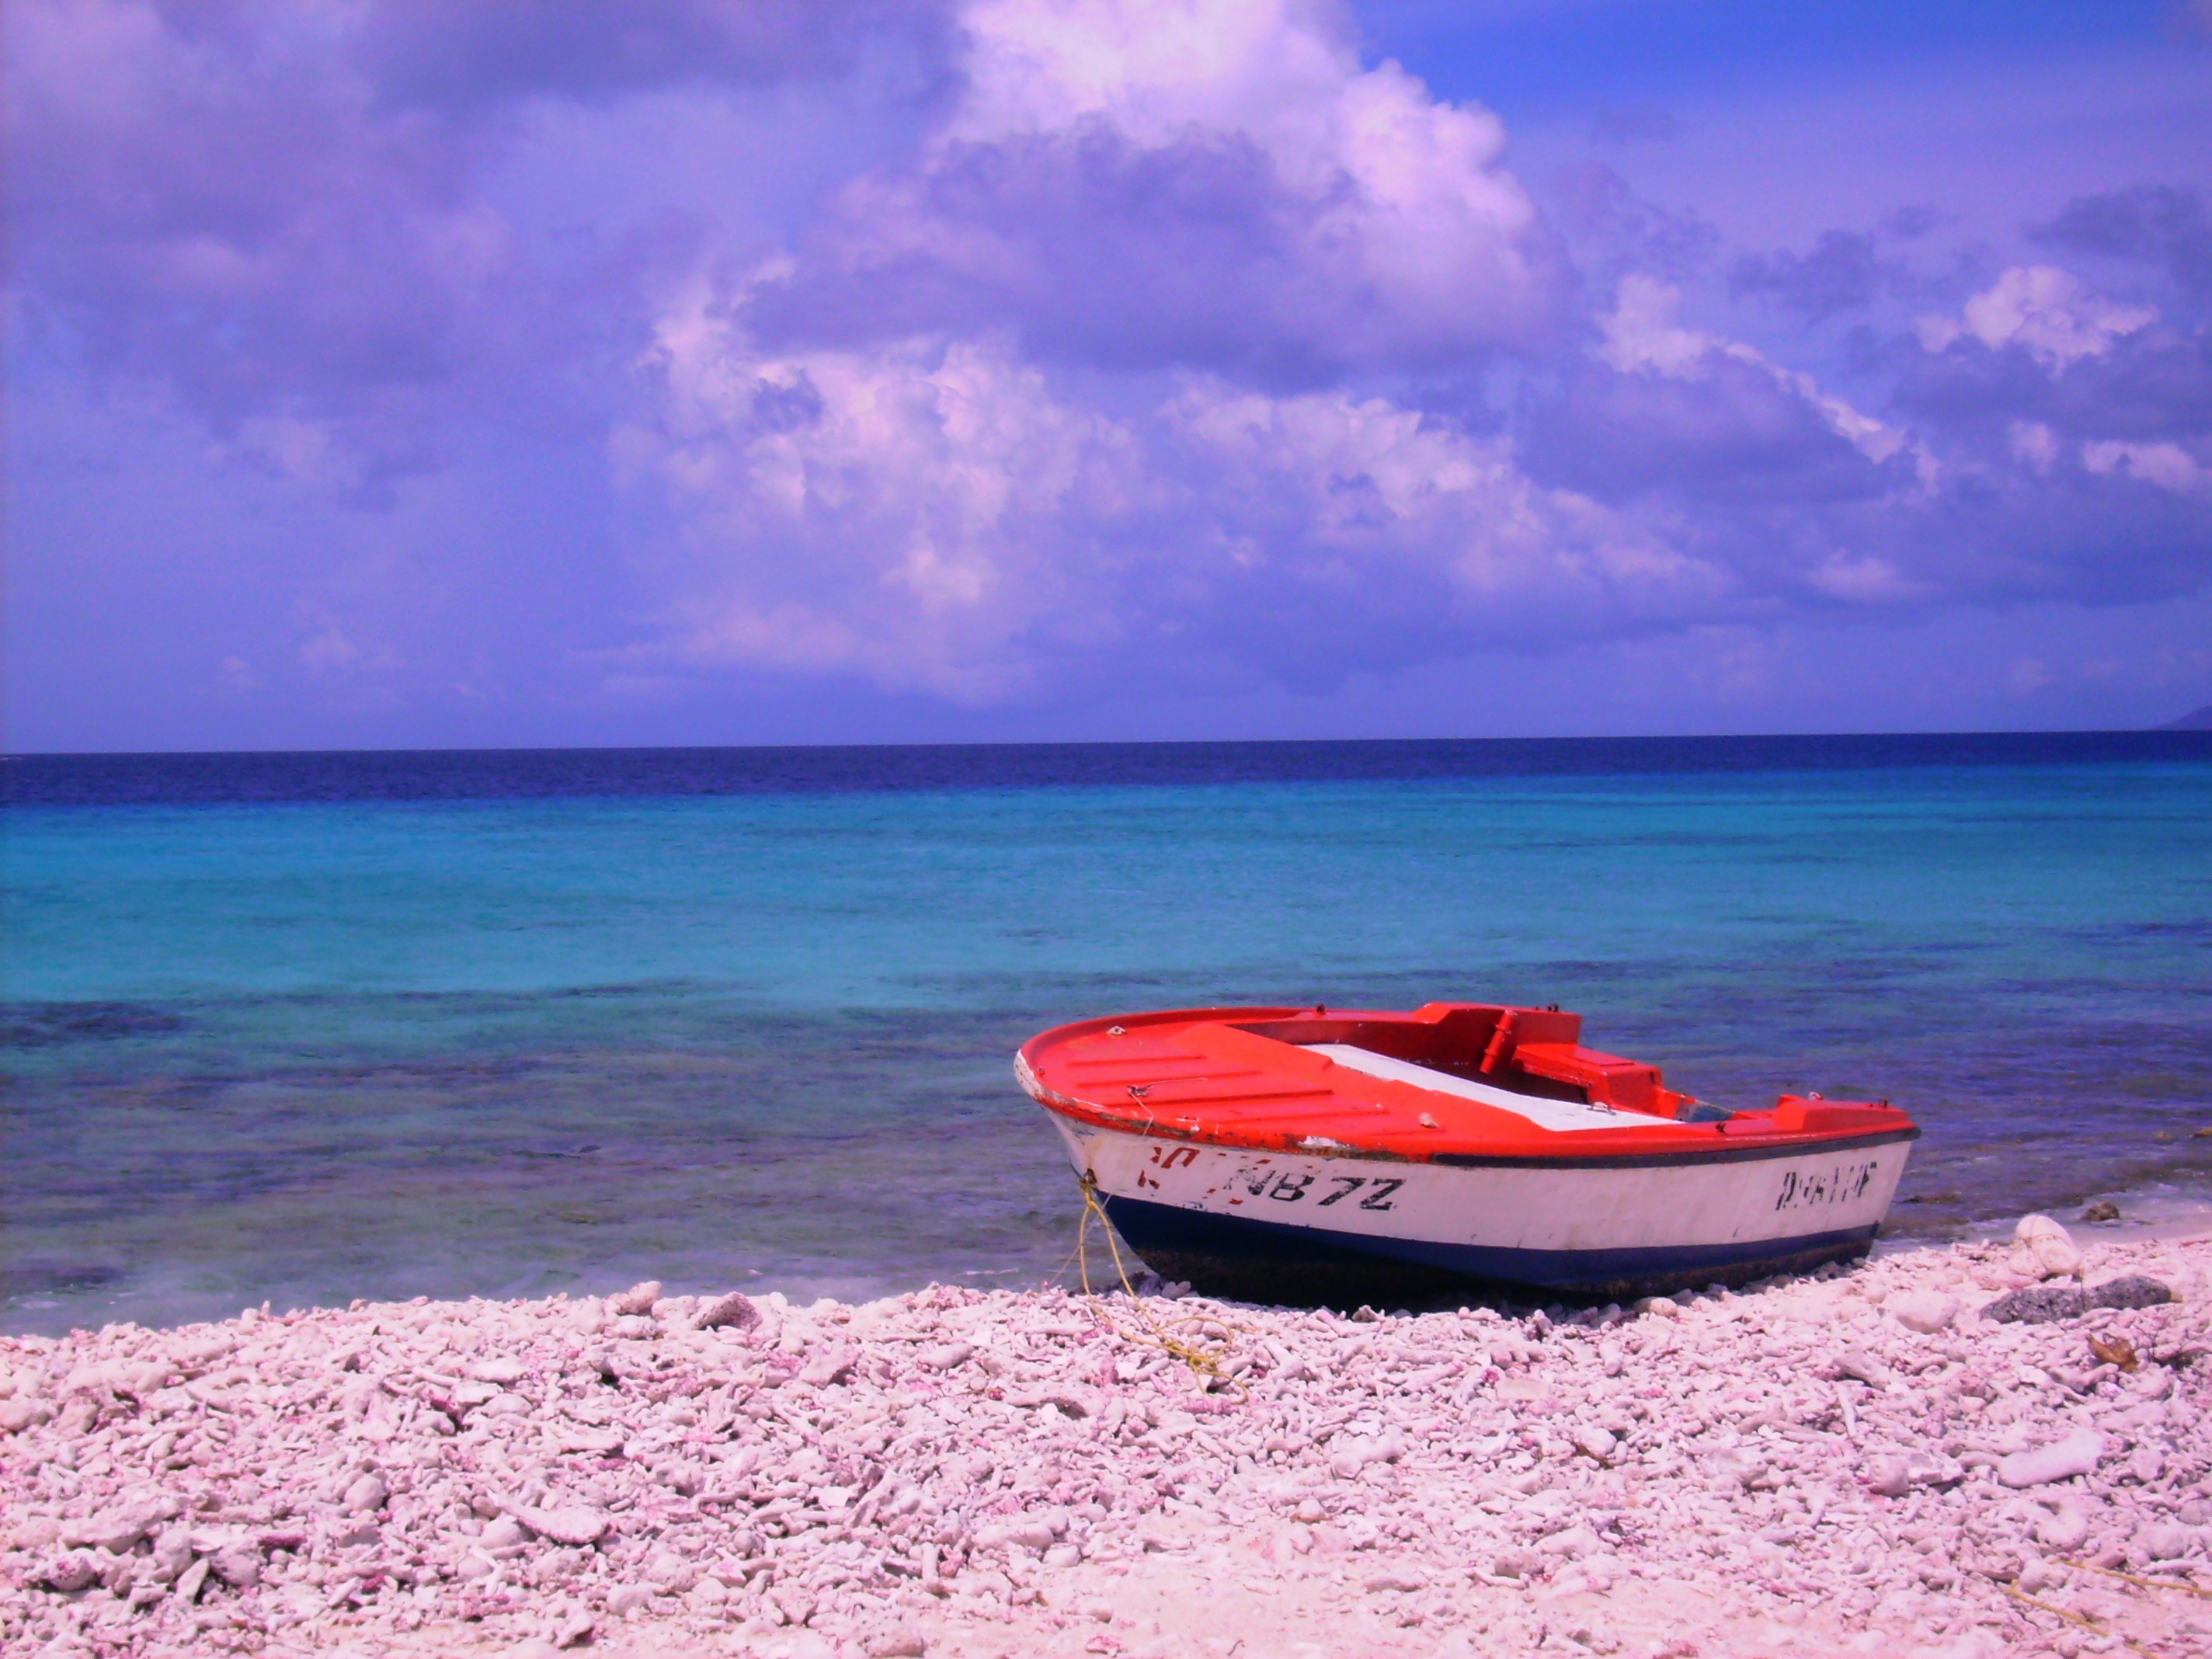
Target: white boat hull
[{"x": 1326, "y": 1226}]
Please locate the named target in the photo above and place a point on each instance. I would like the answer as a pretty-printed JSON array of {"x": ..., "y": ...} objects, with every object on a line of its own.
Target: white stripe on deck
[{"x": 1565, "y": 1116}]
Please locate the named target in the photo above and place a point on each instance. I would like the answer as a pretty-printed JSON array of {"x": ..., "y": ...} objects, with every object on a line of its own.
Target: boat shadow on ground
[{"x": 1368, "y": 1287}]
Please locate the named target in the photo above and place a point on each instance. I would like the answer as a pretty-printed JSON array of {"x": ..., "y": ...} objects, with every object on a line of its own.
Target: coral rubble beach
[{"x": 1861, "y": 1462}]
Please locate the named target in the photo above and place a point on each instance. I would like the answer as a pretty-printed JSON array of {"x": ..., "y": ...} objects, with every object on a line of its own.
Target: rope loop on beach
[
  {"x": 2128, "y": 1577},
  {"x": 1209, "y": 1340},
  {"x": 2095, "y": 1628}
]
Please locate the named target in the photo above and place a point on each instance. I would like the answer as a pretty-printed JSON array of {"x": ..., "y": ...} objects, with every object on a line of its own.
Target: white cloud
[
  {"x": 1863, "y": 581},
  {"x": 1368, "y": 487},
  {"x": 2042, "y": 308},
  {"x": 934, "y": 514},
  {"x": 1340, "y": 213},
  {"x": 332, "y": 652},
  {"x": 2167, "y": 465},
  {"x": 944, "y": 505},
  {"x": 1643, "y": 333},
  {"x": 906, "y": 513},
  {"x": 1151, "y": 69},
  {"x": 1286, "y": 77}
]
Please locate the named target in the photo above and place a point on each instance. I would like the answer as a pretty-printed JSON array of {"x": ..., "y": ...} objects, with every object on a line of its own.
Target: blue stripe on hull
[{"x": 1230, "y": 1255}]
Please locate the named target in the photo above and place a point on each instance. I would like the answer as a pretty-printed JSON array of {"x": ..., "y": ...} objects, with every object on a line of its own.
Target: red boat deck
[{"x": 1447, "y": 1082}]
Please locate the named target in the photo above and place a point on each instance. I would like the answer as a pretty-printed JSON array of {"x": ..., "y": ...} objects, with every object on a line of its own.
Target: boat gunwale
[
  {"x": 1804, "y": 1144},
  {"x": 1739, "y": 1145}
]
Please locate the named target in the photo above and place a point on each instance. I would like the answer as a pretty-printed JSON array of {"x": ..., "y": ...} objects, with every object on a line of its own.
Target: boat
[{"x": 1319, "y": 1155}]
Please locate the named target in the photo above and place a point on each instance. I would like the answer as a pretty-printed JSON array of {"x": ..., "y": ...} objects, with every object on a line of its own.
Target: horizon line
[{"x": 2197, "y": 721}]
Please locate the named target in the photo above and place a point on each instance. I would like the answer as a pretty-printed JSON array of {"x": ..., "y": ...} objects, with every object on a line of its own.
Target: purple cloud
[
  {"x": 276, "y": 215},
  {"x": 1270, "y": 206},
  {"x": 1731, "y": 433},
  {"x": 1613, "y": 231},
  {"x": 211, "y": 211},
  {"x": 2039, "y": 346},
  {"x": 1842, "y": 273},
  {"x": 2165, "y": 225},
  {"x": 1142, "y": 329}
]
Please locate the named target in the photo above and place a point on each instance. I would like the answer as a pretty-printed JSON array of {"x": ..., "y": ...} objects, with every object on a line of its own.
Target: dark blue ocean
[{"x": 306, "y": 1027}]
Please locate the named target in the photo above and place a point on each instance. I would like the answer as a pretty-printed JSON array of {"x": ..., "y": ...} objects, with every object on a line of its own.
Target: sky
[{"x": 385, "y": 374}]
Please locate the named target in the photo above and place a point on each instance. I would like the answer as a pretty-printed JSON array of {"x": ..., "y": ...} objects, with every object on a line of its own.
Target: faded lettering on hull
[{"x": 1548, "y": 1207}]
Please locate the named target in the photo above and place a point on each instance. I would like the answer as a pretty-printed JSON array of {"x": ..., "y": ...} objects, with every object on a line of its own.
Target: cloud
[
  {"x": 934, "y": 514},
  {"x": 1733, "y": 433},
  {"x": 944, "y": 512},
  {"x": 1162, "y": 338},
  {"x": 1169, "y": 345},
  {"x": 2167, "y": 466},
  {"x": 1842, "y": 272},
  {"x": 280, "y": 214},
  {"x": 2165, "y": 225},
  {"x": 914, "y": 513},
  {"x": 2044, "y": 310},
  {"x": 2039, "y": 348},
  {"x": 1665, "y": 407},
  {"x": 202, "y": 202},
  {"x": 1147, "y": 183},
  {"x": 1613, "y": 231}
]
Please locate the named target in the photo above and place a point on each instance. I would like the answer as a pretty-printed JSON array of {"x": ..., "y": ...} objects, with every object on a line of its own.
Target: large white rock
[
  {"x": 365, "y": 1495},
  {"x": 1925, "y": 1312},
  {"x": 828, "y": 1366},
  {"x": 172, "y": 1554},
  {"x": 1898, "y": 1473},
  {"x": 1575, "y": 1542},
  {"x": 1595, "y": 1442},
  {"x": 733, "y": 1312},
  {"x": 572, "y": 1524},
  {"x": 1859, "y": 1364},
  {"x": 2041, "y": 1248},
  {"x": 2162, "y": 1540},
  {"x": 238, "y": 1564},
  {"x": 2077, "y": 1454},
  {"x": 71, "y": 1573},
  {"x": 2068, "y": 1528}
]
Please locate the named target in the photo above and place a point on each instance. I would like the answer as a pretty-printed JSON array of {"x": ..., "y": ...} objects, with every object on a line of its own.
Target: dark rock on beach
[
  {"x": 2039, "y": 1304},
  {"x": 2134, "y": 1290}
]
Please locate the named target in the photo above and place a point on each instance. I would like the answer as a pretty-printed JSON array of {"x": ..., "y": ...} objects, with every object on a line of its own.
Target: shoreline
[
  {"x": 2151, "y": 1215},
  {"x": 2154, "y": 1210},
  {"x": 1820, "y": 1464}
]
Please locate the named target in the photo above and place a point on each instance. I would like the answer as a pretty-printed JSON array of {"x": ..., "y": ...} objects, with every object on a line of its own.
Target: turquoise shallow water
[{"x": 455, "y": 1040}]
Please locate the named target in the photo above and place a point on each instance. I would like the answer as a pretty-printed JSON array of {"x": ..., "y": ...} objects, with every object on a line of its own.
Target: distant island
[{"x": 2199, "y": 721}]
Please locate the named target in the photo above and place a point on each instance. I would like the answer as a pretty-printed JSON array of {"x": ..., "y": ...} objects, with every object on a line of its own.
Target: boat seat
[{"x": 1609, "y": 1079}]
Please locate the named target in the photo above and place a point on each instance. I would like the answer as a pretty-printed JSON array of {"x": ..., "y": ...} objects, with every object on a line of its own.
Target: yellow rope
[
  {"x": 2148, "y": 1583},
  {"x": 2082, "y": 1618},
  {"x": 1206, "y": 1355}
]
